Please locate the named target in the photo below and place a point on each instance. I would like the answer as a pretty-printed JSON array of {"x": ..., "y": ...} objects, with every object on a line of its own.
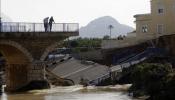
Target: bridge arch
[
  {"x": 18, "y": 64},
  {"x": 49, "y": 49},
  {"x": 17, "y": 46}
]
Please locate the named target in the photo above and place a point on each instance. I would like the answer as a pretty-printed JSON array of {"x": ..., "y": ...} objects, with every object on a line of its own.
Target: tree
[
  {"x": 110, "y": 28},
  {"x": 148, "y": 78},
  {"x": 106, "y": 37}
]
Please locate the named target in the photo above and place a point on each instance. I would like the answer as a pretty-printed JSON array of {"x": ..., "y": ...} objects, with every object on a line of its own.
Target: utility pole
[{"x": 110, "y": 28}]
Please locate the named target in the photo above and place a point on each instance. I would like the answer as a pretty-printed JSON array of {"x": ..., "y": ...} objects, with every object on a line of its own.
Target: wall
[
  {"x": 168, "y": 42},
  {"x": 167, "y": 19}
]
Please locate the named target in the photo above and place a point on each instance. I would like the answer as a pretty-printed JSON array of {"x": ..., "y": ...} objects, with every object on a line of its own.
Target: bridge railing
[{"x": 38, "y": 27}]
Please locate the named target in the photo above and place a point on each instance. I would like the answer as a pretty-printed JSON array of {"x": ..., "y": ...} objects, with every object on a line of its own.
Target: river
[{"x": 72, "y": 93}]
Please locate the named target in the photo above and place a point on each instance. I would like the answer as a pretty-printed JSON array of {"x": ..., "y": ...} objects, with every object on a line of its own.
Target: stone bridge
[{"x": 25, "y": 47}]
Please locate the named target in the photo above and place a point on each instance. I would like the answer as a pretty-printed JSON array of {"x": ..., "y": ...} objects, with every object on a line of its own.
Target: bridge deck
[{"x": 17, "y": 27}]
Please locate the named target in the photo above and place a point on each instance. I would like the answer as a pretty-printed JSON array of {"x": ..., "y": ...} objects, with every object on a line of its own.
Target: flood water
[{"x": 72, "y": 93}]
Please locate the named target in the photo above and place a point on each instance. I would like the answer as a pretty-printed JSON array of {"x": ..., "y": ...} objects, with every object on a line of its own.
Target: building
[
  {"x": 148, "y": 26},
  {"x": 159, "y": 22}
]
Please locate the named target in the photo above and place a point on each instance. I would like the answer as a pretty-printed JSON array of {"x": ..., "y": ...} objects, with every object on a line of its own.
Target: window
[
  {"x": 144, "y": 29},
  {"x": 160, "y": 28},
  {"x": 160, "y": 10}
]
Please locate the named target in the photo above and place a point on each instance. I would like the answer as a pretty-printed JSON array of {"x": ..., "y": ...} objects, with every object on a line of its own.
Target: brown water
[{"x": 72, "y": 93}]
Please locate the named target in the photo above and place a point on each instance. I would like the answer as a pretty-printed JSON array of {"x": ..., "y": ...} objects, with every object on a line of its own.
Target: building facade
[{"x": 159, "y": 22}]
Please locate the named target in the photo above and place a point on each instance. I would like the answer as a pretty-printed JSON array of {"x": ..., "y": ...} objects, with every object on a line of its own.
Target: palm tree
[{"x": 110, "y": 27}]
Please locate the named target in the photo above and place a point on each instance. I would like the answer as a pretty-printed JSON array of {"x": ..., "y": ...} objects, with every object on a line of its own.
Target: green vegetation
[
  {"x": 87, "y": 44},
  {"x": 83, "y": 44},
  {"x": 153, "y": 79},
  {"x": 148, "y": 77},
  {"x": 106, "y": 37}
]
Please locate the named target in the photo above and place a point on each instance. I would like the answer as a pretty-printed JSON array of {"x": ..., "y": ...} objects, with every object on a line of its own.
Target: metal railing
[
  {"x": 131, "y": 61},
  {"x": 38, "y": 27}
]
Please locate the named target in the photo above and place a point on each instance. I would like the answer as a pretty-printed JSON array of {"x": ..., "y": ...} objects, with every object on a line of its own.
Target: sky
[{"x": 74, "y": 11}]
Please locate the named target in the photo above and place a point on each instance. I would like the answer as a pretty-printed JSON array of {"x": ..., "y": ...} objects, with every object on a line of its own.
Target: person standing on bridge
[
  {"x": 51, "y": 20},
  {"x": 46, "y": 23}
]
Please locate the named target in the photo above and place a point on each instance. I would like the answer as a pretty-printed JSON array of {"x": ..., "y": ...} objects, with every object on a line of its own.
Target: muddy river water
[{"x": 72, "y": 93}]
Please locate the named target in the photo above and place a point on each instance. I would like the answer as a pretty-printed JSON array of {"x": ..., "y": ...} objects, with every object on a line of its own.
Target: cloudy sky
[{"x": 78, "y": 11}]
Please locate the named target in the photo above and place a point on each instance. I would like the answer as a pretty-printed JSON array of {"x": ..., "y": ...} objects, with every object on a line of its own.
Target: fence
[
  {"x": 38, "y": 27},
  {"x": 131, "y": 61}
]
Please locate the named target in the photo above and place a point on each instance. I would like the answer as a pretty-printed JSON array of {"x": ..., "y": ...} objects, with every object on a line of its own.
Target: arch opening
[
  {"x": 50, "y": 49},
  {"x": 16, "y": 67}
]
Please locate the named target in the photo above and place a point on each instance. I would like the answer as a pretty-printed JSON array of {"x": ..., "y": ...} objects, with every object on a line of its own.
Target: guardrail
[
  {"x": 131, "y": 61},
  {"x": 38, "y": 27}
]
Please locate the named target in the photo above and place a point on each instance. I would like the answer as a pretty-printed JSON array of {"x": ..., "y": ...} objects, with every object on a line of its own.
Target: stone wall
[
  {"x": 37, "y": 71},
  {"x": 168, "y": 42}
]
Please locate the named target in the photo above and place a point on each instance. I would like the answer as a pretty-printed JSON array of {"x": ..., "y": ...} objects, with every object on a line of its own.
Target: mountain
[{"x": 99, "y": 28}]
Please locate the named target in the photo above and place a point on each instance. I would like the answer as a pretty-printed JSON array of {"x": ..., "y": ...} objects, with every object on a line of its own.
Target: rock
[{"x": 35, "y": 85}]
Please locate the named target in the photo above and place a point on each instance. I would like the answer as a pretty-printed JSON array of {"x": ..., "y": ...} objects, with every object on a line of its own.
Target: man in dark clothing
[
  {"x": 51, "y": 20},
  {"x": 46, "y": 23}
]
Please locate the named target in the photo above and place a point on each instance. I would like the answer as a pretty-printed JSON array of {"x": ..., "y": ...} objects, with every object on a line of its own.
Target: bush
[{"x": 149, "y": 77}]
